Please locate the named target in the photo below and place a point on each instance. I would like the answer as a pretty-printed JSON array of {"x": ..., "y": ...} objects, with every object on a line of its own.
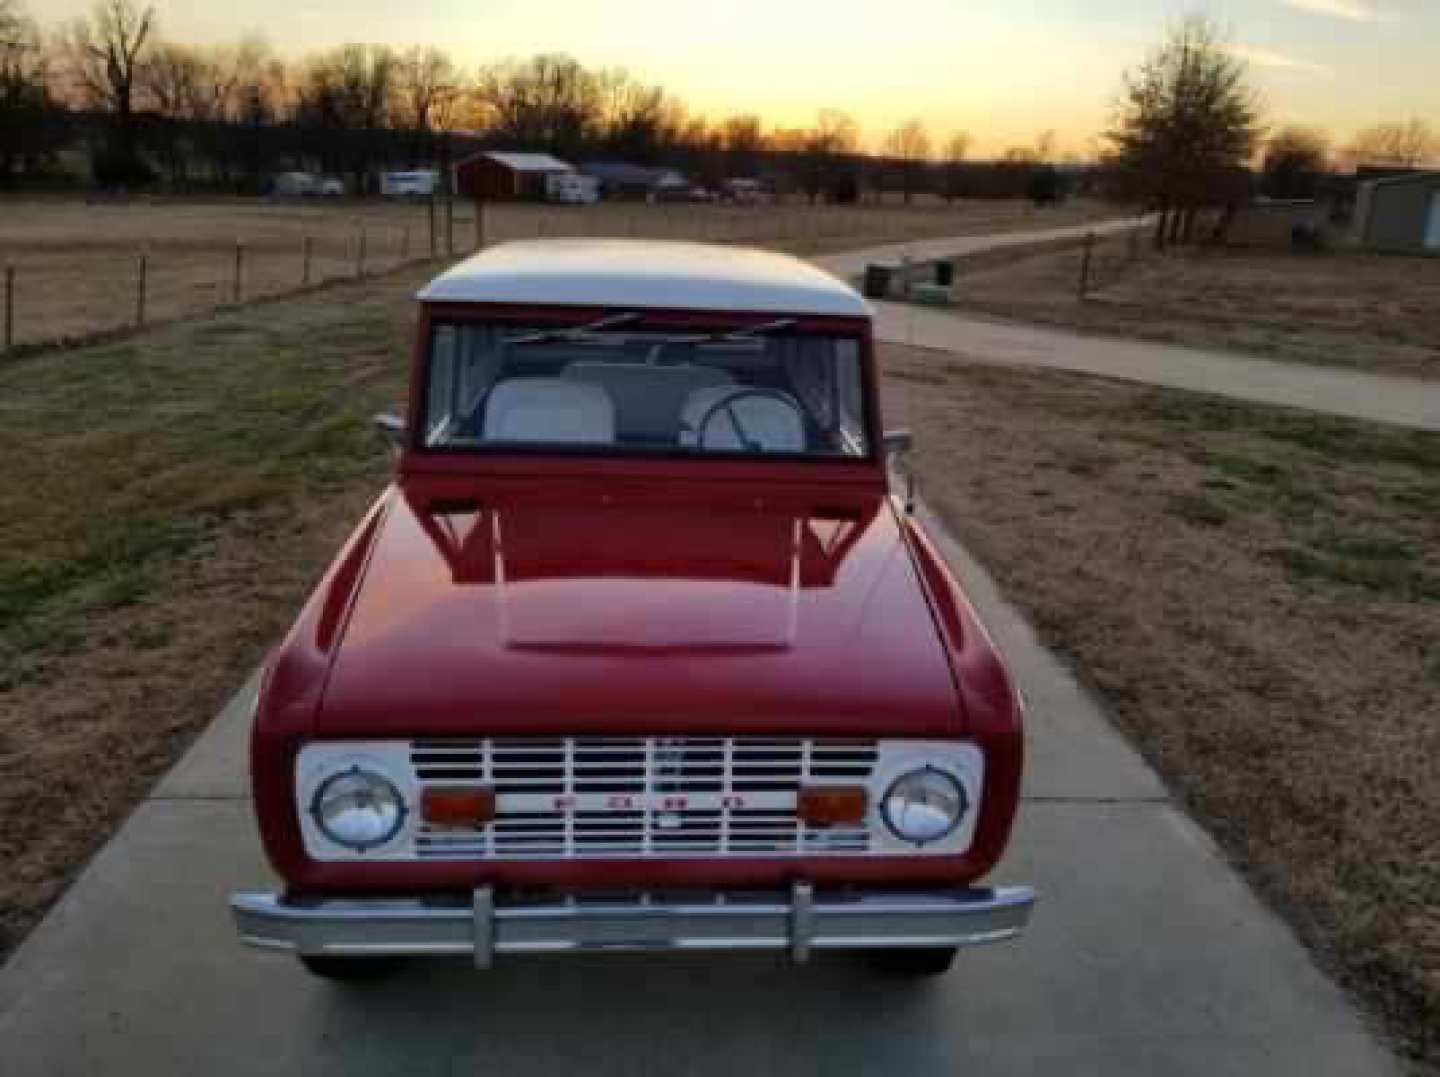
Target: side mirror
[
  {"x": 897, "y": 444},
  {"x": 392, "y": 428}
]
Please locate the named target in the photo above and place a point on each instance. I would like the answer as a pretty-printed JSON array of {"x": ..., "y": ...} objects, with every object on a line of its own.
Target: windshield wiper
[
  {"x": 574, "y": 332},
  {"x": 588, "y": 331},
  {"x": 756, "y": 330}
]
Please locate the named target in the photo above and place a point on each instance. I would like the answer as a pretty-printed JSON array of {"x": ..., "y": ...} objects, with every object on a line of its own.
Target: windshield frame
[{"x": 647, "y": 319}]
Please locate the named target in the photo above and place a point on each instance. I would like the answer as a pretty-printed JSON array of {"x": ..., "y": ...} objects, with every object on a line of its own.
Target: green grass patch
[{"x": 122, "y": 459}]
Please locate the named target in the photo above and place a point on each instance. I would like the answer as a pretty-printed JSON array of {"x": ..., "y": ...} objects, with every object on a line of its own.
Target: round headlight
[
  {"x": 358, "y": 809},
  {"x": 923, "y": 805}
]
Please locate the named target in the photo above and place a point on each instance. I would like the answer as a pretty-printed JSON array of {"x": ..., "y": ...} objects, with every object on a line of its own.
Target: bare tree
[
  {"x": 1045, "y": 146},
  {"x": 548, "y": 102},
  {"x": 30, "y": 120},
  {"x": 822, "y": 152},
  {"x": 17, "y": 30},
  {"x": 1295, "y": 157},
  {"x": 1185, "y": 127},
  {"x": 637, "y": 122},
  {"x": 742, "y": 138},
  {"x": 1395, "y": 145},
  {"x": 345, "y": 96},
  {"x": 956, "y": 147},
  {"x": 108, "y": 54},
  {"x": 425, "y": 82},
  {"x": 909, "y": 144},
  {"x": 428, "y": 91}
]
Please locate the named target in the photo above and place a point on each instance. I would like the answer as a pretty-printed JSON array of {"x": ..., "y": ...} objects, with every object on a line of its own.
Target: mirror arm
[{"x": 392, "y": 428}]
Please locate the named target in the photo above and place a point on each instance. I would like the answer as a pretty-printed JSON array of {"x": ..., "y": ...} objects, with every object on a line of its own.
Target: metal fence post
[
  {"x": 450, "y": 226},
  {"x": 1084, "y": 289},
  {"x": 430, "y": 209},
  {"x": 9, "y": 307},
  {"x": 479, "y": 224},
  {"x": 237, "y": 288},
  {"x": 307, "y": 248},
  {"x": 140, "y": 270}
]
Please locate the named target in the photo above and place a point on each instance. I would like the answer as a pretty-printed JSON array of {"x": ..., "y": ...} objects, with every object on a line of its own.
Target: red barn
[{"x": 498, "y": 175}]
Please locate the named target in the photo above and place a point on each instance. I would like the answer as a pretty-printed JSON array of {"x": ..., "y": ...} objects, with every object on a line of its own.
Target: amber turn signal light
[
  {"x": 467, "y": 805},
  {"x": 829, "y": 805}
]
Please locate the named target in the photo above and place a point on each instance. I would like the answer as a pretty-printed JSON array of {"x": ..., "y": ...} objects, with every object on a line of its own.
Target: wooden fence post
[
  {"x": 140, "y": 270},
  {"x": 1084, "y": 288},
  {"x": 430, "y": 208},
  {"x": 405, "y": 243},
  {"x": 479, "y": 224},
  {"x": 360, "y": 255},
  {"x": 307, "y": 248},
  {"x": 450, "y": 227},
  {"x": 9, "y": 307},
  {"x": 237, "y": 288}
]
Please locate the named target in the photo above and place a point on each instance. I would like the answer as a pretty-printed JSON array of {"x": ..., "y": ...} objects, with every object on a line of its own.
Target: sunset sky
[{"x": 1000, "y": 69}]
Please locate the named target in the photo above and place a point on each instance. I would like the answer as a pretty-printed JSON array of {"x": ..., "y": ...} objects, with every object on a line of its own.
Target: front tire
[
  {"x": 351, "y": 969},
  {"x": 916, "y": 963}
]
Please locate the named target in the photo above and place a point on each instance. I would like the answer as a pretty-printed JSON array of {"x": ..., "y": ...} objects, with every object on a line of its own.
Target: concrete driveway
[
  {"x": 1349, "y": 393},
  {"x": 1147, "y": 955}
]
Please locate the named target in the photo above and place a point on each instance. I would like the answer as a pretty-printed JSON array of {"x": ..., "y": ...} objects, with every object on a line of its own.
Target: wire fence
[
  {"x": 74, "y": 289},
  {"x": 1106, "y": 259}
]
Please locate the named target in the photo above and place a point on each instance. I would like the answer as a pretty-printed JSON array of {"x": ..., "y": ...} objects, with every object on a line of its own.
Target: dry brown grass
[
  {"x": 77, "y": 262},
  {"x": 1369, "y": 312},
  {"x": 167, "y": 503},
  {"x": 1256, "y": 594}
]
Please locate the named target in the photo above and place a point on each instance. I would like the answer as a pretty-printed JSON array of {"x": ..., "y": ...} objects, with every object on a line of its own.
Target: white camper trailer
[
  {"x": 572, "y": 188},
  {"x": 400, "y": 184}
]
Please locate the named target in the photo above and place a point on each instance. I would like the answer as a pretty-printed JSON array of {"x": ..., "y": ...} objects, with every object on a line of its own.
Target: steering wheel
[{"x": 727, "y": 403}]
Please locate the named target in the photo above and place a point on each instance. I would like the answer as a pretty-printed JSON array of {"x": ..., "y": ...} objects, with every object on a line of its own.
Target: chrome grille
[{"x": 641, "y": 796}]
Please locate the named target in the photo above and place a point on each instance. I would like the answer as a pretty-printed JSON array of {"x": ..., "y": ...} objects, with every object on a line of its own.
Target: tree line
[
  {"x": 228, "y": 116},
  {"x": 1186, "y": 134}
]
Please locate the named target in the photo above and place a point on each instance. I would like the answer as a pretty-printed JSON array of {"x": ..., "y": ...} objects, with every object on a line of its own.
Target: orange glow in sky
[{"x": 1003, "y": 70}]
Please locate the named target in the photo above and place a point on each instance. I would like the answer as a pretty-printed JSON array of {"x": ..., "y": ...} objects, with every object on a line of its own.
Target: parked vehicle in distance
[
  {"x": 421, "y": 183},
  {"x": 742, "y": 192},
  {"x": 572, "y": 188},
  {"x": 639, "y": 651}
]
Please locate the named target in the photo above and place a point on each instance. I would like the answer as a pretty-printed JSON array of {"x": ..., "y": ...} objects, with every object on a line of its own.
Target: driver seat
[{"x": 774, "y": 424}]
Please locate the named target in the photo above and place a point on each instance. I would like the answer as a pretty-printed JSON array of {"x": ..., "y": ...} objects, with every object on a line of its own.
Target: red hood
[{"x": 638, "y": 612}]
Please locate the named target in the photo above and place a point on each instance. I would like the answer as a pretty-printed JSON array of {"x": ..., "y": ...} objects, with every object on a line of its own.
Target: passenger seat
[{"x": 549, "y": 410}]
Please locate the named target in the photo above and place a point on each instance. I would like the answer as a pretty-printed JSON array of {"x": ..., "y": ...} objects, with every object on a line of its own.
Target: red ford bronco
[{"x": 638, "y": 651}]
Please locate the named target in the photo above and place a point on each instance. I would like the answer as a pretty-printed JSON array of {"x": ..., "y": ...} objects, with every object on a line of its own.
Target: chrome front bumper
[{"x": 798, "y": 921}]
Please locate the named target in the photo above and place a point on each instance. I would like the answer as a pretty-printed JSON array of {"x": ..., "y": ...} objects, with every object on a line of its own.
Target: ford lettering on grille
[{"x": 642, "y": 796}]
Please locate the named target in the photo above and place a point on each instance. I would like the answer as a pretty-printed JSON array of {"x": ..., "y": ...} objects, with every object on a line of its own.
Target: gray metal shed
[{"x": 1399, "y": 213}]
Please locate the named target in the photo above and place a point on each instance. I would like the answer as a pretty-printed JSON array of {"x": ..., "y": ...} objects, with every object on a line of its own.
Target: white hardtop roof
[
  {"x": 644, "y": 273},
  {"x": 528, "y": 162}
]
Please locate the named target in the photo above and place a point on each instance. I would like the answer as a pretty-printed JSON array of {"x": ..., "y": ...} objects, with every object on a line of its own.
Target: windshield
[{"x": 766, "y": 390}]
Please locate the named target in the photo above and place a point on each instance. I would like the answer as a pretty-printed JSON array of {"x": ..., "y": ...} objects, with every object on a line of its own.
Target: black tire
[
  {"x": 351, "y": 969},
  {"x": 915, "y": 963}
]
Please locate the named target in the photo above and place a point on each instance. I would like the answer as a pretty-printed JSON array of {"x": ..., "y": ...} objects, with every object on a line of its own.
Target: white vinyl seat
[
  {"x": 647, "y": 398},
  {"x": 773, "y": 424},
  {"x": 550, "y": 410}
]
